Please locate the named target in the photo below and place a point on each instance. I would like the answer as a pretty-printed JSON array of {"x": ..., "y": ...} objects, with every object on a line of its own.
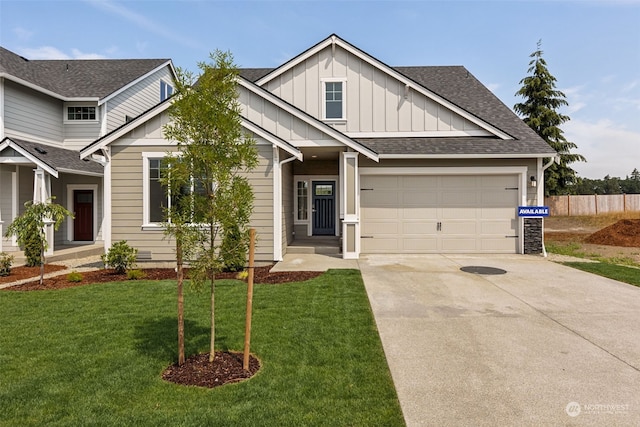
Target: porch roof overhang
[
  {"x": 53, "y": 160},
  {"x": 274, "y": 139}
]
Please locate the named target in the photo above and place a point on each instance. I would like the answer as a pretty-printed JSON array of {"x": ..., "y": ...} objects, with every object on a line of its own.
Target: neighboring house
[
  {"x": 49, "y": 109},
  {"x": 387, "y": 159}
]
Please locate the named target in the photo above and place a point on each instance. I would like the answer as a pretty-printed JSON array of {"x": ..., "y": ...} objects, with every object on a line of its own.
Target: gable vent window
[
  {"x": 334, "y": 100},
  {"x": 81, "y": 113},
  {"x": 166, "y": 90}
]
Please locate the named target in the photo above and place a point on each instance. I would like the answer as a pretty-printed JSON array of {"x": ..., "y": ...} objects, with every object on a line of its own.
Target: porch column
[
  {"x": 349, "y": 183},
  {"x": 42, "y": 194}
]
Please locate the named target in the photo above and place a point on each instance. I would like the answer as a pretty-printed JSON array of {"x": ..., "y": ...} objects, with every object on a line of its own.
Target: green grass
[
  {"x": 93, "y": 355},
  {"x": 571, "y": 249},
  {"x": 621, "y": 273}
]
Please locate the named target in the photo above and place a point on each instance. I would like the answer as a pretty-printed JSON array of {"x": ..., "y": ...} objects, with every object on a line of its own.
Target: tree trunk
[
  {"x": 41, "y": 264},
  {"x": 180, "y": 305},
  {"x": 212, "y": 351}
]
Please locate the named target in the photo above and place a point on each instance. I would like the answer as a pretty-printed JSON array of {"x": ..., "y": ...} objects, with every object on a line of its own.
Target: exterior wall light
[{"x": 533, "y": 181}]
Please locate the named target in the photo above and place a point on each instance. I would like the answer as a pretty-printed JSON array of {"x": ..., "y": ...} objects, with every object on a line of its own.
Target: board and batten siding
[
  {"x": 127, "y": 194},
  {"x": 275, "y": 120},
  {"x": 32, "y": 115},
  {"x": 375, "y": 101},
  {"x": 136, "y": 99}
]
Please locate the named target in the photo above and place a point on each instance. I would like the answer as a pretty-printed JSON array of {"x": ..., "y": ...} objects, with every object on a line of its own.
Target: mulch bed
[
  {"x": 625, "y": 233},
  {"x": 196, "y": 371},
  {"x": 225, "y": 369}
]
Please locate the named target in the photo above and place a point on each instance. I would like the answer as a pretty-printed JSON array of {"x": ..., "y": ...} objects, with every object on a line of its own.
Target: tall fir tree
[{"x": 539, "y": 110}]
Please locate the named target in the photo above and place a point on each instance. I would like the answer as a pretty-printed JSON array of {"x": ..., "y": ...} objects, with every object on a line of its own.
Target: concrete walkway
[{"x": 540, "y": 345}]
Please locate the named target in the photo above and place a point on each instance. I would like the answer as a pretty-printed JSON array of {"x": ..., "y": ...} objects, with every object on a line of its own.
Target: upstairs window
[
  {"x": 81, "y": 113},
  {"x": 334, "y": 105},
  {"x": 166, "y": 90}
]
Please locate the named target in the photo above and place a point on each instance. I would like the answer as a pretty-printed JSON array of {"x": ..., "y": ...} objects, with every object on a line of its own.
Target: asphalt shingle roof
[
  {"x": 77, "y": 78},
  {"x": 58, "y": 158}
]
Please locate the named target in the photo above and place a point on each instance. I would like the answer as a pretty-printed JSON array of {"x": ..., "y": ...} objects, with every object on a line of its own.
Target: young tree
[
  {"x": 215, "y": 155},
  {"x": 30, "y": 226},
  {"x": 539, "y": 111}
]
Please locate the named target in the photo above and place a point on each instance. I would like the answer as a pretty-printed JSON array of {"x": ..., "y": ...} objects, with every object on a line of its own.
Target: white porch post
[
  {"x": 106, "y": 200},
  {"x": 349, "y": 183},
  {"x": 277, "y": 205},
  {"x": 42, "y": 194}
]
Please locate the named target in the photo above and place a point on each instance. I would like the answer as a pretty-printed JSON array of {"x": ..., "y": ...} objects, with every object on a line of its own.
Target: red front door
[{"x": 83, "y": 212}]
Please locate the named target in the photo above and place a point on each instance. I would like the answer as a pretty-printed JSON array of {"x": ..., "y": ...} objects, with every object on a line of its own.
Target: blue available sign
[{"x": 533, "y": 211}]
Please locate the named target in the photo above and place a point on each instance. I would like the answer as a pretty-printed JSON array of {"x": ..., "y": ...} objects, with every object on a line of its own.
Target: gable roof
[
  {"x": 308, "y": 119},
  {"x": 52, "y": 159},
  {"x": 454, "y": 85},
  {"x": 76, "y": 79},
  {"x": 163, "y": 106}
]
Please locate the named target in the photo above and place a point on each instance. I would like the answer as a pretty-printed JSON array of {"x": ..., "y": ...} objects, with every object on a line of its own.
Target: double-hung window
[
  {"x": 155, "y": 198},
  {"x": 333, "y": 95}
]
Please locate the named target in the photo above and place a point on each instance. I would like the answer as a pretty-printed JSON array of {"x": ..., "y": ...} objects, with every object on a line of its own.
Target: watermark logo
[{"x": 573, "y": 409}]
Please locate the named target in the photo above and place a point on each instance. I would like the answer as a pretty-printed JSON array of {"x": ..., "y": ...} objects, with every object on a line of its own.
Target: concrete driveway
[{"x": 542, "y": 344}]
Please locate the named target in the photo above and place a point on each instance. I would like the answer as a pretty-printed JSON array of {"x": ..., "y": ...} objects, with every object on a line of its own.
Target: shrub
[
  {"x": 74, "y": 277},
  {"x": 233, "y": 250},
  {"x": 121, "y": 257},
  {"x": 33, "y": 249},
  {"x": 135, "y": 274},
  {"x": 5, "y": 263}
]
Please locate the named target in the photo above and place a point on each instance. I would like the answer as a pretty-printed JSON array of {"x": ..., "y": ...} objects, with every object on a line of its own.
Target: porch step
[{"x": 321, "y": 245}]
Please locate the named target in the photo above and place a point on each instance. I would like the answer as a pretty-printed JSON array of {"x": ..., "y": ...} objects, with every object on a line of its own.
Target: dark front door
[
  {"x": 83, "y": 215},
  {"x": 324, "y": 207}
]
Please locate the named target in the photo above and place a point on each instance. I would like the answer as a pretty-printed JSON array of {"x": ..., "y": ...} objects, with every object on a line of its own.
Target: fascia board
[
  {"x": 139, "y": 79},
  {"x": 114, "y": 135},
  {"x": 312, "y": 121},
  {"x": 33, "y": 159},
  {"x": 466, "y": 156},
  {"x": 47, "y": 91},
  {"x": 277, "y": 141}
]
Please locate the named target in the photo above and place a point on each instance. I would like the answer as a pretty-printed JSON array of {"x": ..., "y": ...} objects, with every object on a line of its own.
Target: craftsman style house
[
  {"x": 385, "y": 159},
  {"x": 49, "y": 109},
  {"x": 382, "y": 159}
]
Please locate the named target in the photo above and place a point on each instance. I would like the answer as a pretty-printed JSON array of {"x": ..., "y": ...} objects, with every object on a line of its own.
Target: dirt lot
[{"x": 575, "y": 231}]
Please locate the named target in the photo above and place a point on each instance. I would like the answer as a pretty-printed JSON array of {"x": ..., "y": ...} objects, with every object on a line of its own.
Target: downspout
[{"x": 556, "y": 159}]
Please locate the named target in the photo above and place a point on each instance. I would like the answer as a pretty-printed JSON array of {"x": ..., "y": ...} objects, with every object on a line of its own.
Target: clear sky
[{"x": 591, "y": 47}]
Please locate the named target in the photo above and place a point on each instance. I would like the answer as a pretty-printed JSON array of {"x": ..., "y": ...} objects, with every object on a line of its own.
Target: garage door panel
[{"x": 431, "y": 214}]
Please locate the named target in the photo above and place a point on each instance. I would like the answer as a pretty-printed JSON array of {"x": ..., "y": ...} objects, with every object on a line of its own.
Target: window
[
  {"x": 157, "y": 199},
  {"x": 166, "y": 90},
  {"x": 334, "y": 106},
  {"x": 81, "y": 113},
  {"x": 302, "y": 200}
]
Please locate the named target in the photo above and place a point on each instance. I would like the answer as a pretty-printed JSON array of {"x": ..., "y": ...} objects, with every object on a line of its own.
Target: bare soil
[
  {"x": 196, "y": 371},
  {"x": 604, "y": 236}
]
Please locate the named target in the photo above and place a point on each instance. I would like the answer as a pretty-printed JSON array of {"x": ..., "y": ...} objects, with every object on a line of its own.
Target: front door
[
  {"x": 83, "y": 215},
  {"x": 324, "y": 208}
]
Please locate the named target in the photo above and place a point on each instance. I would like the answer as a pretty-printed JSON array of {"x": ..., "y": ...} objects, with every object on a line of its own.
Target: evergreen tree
[{"x": 539, "y": 111}]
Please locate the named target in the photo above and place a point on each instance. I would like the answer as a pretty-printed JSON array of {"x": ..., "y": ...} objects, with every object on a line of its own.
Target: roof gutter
[{"x": 555, "y": 159}]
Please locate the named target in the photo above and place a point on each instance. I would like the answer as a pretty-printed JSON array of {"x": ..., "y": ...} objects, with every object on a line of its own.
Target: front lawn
[
  {"x": 620, "y": 273},
  {"x": 93, "y": 355}
]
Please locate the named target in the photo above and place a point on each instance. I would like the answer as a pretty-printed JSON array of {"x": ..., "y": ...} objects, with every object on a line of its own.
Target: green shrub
[
  {"x": 74, "y": 277},
  {"x": 135, "y": 274},
  {"x": 5, "y": 263},
  {"x": 121, "y": 257},
  {"x": 233, "y": 250},
  {"x": 33, "y": 249}
]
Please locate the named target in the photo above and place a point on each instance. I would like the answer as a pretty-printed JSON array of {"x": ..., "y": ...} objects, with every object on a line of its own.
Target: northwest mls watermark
[{"x": 573, "y": 409}]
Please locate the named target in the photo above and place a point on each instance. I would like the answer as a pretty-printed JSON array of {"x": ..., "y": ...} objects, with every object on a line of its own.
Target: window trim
[
  {"x": 65, "y": 114},
  {"x": 323, "y": 90},
  {"x": 146, "y": 223}
]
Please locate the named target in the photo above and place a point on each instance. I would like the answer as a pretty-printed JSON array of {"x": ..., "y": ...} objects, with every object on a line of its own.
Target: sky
[{"x": 592, "y": 47}]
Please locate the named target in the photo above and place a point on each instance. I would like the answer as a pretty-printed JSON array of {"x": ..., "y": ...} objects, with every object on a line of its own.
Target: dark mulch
[
  {"x": 261, "y": 275},
  {"x": 225, "y": 369}
]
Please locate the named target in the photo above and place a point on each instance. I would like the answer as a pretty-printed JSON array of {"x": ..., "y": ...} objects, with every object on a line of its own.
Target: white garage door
[{"x": 431, "y": 214}]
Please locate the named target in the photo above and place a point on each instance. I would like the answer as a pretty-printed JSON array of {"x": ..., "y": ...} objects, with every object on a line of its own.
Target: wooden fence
[{"x": 592, "y": 204}]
